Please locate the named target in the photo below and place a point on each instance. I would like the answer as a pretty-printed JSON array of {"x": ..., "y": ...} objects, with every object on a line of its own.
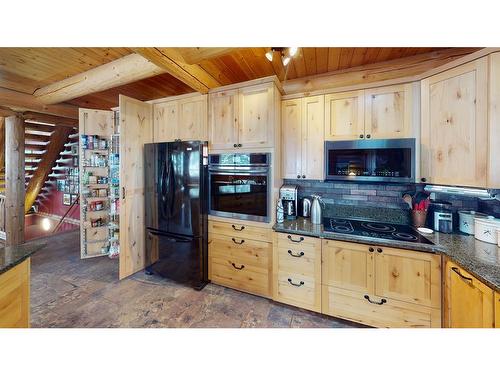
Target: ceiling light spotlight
[
  {"x": 292, "y": 51},
  {"x": 286, "y": 60},
  {"x": 269, "y": 55}
]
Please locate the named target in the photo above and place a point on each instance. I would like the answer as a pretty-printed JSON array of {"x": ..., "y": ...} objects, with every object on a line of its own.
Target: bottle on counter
[
  {"x": 280, "y": 212},
  {"x": 316, "y": 210}
]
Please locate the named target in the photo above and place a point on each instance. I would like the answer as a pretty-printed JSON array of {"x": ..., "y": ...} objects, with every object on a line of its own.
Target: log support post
[{"x": 14, "y": 180}]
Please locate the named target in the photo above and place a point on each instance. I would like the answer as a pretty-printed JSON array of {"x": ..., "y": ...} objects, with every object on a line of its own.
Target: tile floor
[{"x": 69, "y": 292}]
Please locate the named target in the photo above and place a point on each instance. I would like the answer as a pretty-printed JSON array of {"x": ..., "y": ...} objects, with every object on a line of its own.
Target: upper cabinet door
[
  {"x": 313, "y": 125},
  {"x": 388, "y": 112},
  {"x": 291, "y": 115},
  {"x": 454, "y": 126},
  {"x": 223, "y": 127},
  {"x": 136, "y": 129},
  {"x": 165, "y": 121},
  {"x": 344, "y": 116},
  {"x": 256, "y": 117},
  {"x": 193, "y": 119}
]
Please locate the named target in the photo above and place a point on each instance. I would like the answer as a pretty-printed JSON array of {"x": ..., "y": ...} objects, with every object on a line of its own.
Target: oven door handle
[{"x": 239, "y": 173}]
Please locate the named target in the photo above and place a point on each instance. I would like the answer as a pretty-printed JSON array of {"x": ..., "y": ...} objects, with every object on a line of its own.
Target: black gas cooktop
[{"x": 395, "y": 232}]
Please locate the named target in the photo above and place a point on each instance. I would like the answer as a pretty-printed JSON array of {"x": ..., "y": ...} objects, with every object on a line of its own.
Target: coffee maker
[{"x": 288, "y": 196}]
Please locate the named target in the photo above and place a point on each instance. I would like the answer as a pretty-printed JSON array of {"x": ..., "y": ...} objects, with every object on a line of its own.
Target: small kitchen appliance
[
  {"x": 466, "y": 220},
  {"x": 316, "y": 211},
  {"x": 306, "y": 207},
  {"x": 441, "y": 216},
  {"x": 288, "y": 196},
  {"x": 486, "y": 229}
]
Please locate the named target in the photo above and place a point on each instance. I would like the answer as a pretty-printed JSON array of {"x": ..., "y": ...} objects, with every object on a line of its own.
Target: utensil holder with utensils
[{"x": 418, "y": 218}]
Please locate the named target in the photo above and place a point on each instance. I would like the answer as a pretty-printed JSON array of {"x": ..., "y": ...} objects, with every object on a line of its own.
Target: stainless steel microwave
[{"x": 390, "y": 160}]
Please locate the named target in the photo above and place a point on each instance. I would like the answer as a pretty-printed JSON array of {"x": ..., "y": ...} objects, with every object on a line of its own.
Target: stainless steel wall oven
[{"x": 240, "y": 186}]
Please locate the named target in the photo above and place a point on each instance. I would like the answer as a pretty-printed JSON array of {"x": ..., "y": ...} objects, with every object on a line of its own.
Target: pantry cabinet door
[
  {"x": 408, "y": 276},
  {"x": 165, "y": 121},
  {"x": 348, "y": 266},
  {"x": 291, "y": 114},
  {"x": 454, "y": 126},
  {"x": 136, "y": 129},
  {"x": 344, "y": 116},
  {"x": 313, "y": 125},
  {"x": 256, "y": 117},
  {"x": 388, "y": 112},
  {"x": 223, "y": 121},
  {"x": 468, "y": 302},
  {"x": 193, "y": 119}
]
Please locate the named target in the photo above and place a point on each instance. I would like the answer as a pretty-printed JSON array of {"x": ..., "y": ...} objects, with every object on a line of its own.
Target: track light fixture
[{"x": 285, "y": 53}]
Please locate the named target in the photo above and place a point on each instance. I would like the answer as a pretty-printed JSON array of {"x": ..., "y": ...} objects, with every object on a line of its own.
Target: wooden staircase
[{"x": 38, "y": 138}]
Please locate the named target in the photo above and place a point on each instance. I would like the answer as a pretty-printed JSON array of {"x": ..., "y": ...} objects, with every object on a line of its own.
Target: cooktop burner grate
[{"x": 374, "y": 230}]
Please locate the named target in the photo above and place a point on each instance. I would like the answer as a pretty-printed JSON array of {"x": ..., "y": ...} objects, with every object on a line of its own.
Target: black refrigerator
[{"x": 176, "y": 206}]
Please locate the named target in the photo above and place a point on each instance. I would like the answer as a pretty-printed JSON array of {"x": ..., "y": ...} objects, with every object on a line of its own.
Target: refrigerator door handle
[{"x": 172, "y": 187}]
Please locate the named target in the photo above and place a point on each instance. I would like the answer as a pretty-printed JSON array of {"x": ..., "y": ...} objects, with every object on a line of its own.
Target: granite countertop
[
  {"x": 479, "y": 258},
  {"x": 11, "y": 256}
]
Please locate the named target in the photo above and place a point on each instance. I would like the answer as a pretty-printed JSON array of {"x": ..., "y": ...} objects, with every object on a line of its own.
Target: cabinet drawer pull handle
[
  {"x": 297, "y": 285},
  {"x": 297, "y": 241},
  {"x": 379, "y": 250},
  {"x": 238, "y": 268},
  {"x": 457, "y": 271},
  {"x": 371, "y": 249},
  {"x": 298, "y": 255},
  {"x": 239, "y": 230},
  {"x": 238, "y": 243},
  {"x": 382, "y": 301}
]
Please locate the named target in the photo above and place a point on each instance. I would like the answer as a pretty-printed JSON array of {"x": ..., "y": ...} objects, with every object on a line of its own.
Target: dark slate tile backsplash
[{"x": 384, "y": 195}]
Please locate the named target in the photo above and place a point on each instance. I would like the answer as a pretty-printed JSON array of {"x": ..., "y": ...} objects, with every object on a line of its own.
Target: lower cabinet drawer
[
  {"x": 298, "y": 290},
  {"x": 240, "y": 230},
  {"x": 235, "y": 273},
  {"x": 252, "y": 252},
  {"x": 379, "y": 312}
]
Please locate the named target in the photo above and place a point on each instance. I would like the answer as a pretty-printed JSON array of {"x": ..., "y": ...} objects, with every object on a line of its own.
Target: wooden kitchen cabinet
[
  {"x": 182, "y": 118},
  {"x": 303, "y": 138},
  {"x": 240, "y": 257},
  {"x": 223, "y": 119},
  {"x": 243, "y": 118},
  {"x": 381, "y": 286},
  {"x": 388, "y": 112},
  {"x": 344, "y": 116},
  {"x": 454, "y": 131},
  {"x": 136, "y": 129},
  {"x": 497, "y": 310},
  {"x": 15, "y": 296},
  {"x": 468, "y": 302},
  {"x": 297, "y": 271},
  {"x": 348, "y": 266}
]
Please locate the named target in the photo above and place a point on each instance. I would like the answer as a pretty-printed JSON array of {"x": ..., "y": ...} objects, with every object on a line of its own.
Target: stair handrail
[{"x": 77, "y": 200}]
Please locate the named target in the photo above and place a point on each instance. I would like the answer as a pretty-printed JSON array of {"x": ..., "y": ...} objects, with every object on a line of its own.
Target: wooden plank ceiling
[
  {"x": 243, "y": 64},
  {"x": 26, "y": 69}
]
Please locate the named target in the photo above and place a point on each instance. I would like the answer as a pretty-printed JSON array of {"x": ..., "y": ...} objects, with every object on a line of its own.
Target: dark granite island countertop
[
  {"x": 479, "y": 258},
  {"x": 11, "y": 256}
]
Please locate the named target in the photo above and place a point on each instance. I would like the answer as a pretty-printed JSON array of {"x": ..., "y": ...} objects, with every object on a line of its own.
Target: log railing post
[{"x": 14, "y": 180}]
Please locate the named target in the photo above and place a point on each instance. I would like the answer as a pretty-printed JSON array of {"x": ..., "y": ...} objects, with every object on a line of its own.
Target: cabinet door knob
[
  {"x": 423, "y": 179},
  {"x": 361, "y": 136},
  {"x": 303, "y": 176},
  {"x": 368, "y": 136},
  {"x": 239, "y": 144},
  {"x": 298, "y": 176},
  {"x": 371, "y": 249},
  {"x": 379, "y": 250},
  {"x": 235, "y": 145}
]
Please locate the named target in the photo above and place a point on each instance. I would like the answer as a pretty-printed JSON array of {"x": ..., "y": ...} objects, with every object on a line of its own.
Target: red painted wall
[{"x": 54, "y": 206}]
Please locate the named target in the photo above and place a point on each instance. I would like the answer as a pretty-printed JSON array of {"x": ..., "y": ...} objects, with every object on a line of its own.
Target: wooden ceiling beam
[
  {"x": 119, "y": 72},
  {"x": 194, "y": 77},
  {"x": 391, "y": 71},
  {"x": 194, "y": 55},
  {"x": 6, "y": 112},
  {"x": 20, "y": 102}
]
